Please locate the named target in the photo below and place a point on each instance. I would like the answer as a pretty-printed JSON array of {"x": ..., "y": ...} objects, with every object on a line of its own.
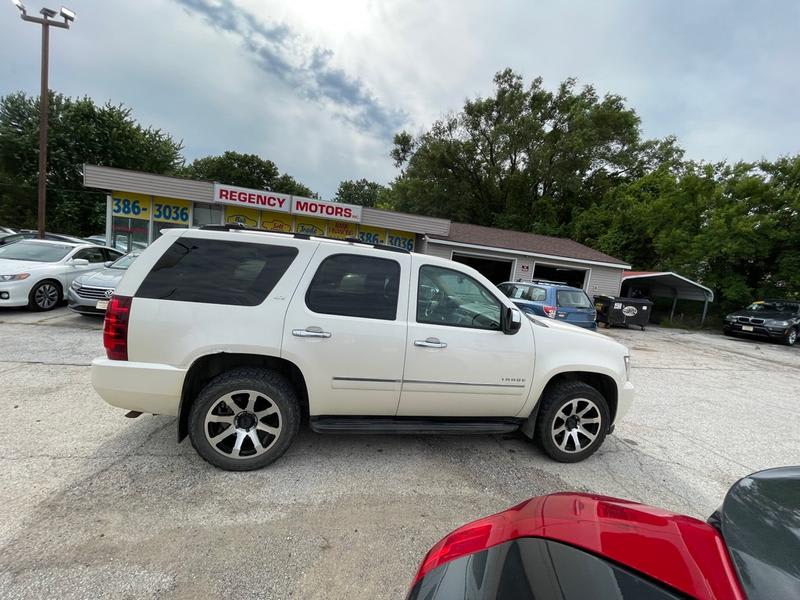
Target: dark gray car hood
[{"x": 105, "y": 278}]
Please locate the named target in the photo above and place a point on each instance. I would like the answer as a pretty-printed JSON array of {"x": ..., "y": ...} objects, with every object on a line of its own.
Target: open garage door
[
  {"x": 494, "y": 269},
  {"x": 574, "y": 277}
]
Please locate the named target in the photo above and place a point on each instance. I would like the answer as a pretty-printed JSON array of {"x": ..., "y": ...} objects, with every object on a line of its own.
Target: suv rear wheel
[
  {"x": 244, "y": 419},
  {"x": 572, "y": 421}
]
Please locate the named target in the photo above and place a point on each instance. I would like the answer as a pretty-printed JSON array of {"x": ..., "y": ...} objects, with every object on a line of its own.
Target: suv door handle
[
  {"x": 430, "y": 342},
  {"x": 315, "y": 332}
]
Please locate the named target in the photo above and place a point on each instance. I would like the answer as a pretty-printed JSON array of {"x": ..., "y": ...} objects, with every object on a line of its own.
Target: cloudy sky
[{"x": 320, "y": 86}]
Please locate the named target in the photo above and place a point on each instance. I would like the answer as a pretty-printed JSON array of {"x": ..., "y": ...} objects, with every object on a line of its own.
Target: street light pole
[
  {"x": 46, "y": 21},
  {"x": 44, "y": 101}
]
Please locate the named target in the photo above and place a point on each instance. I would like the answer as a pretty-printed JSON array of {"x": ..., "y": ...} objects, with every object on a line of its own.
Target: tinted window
[
  {"x": 537, "y": 569},
  {"x": 355, "y": 286},
  {"x": 35, "y": 251},
  {"x": 573, "y": 299},
  {"x": 111, "y": 254},
  {"x": 93, "y": 255},
  {"x": 448, "y": 297},
  {"x": 217, "y": 272}
]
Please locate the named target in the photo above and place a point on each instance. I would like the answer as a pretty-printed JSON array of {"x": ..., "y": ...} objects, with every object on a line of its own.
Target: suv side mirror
[
  {"x": 108, "y": 263},
  {"x": 79, "y": 262},
  {"x": 512, "y": 320}
]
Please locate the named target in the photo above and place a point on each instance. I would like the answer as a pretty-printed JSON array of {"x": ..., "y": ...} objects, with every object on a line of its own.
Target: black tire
[
  {"x": 791, "y": 337},
  {"x": 45, "y": 295},
  {"x": 211, "y": 416},
  {"x": 579, "y": 397}
]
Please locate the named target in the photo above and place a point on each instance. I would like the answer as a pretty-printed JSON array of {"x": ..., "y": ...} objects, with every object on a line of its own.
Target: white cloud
[{"x": 320, "y": 86}]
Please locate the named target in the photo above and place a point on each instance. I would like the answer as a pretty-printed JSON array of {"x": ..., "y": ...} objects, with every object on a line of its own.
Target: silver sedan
[{"x": 89, "y": 294}]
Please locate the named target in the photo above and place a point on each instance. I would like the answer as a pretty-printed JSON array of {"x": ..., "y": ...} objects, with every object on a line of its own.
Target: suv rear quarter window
[{"x": 217, "y": 272}]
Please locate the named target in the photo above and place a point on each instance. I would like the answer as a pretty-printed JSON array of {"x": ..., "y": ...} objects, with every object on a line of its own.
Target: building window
[
  {"x": 206, "y": 214},
  {"x": 159, "y": 227},
  {"x": 128, "y": 234}
]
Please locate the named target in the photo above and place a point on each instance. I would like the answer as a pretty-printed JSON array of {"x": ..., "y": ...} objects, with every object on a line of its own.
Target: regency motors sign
[{"x": 297, "y": 205}]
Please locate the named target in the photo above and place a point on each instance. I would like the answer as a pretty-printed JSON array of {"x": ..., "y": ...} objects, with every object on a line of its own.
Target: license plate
[
  {"x": 103, "y": 304},
  {"x": 747, "y": 328}
]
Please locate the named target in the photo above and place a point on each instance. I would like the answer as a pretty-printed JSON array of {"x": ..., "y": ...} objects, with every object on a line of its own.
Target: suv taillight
[
  {"x": 115, "y": 328},
  {"x": 549, "y": 311}
]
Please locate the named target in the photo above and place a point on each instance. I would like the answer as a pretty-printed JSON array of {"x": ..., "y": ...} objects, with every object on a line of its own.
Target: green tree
[
  {"x": 80, "y": 131},
  {"x": 524, "y": 158},
  {"x": 361, "y": 192},
  {"x": 246, "y": 170}
]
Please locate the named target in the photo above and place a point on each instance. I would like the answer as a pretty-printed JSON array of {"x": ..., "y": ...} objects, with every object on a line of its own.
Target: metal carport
[{"x": 665, "y": 284}]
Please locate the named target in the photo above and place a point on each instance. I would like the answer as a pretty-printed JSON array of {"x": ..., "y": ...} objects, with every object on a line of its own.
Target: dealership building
[{"x": 140, "y": 205}]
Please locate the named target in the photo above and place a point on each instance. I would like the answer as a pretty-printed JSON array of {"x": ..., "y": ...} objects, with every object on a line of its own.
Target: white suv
[{"x": 241, "y": 334}]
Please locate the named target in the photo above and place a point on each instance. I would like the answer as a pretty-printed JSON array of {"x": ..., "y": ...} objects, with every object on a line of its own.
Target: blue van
[{"x": 552, "y": 299}]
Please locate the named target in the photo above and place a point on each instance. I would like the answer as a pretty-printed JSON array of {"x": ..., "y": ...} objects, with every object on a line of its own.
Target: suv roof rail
[
  {"x": 301, "y": 236},
  {"x": 550, "y": 282}
]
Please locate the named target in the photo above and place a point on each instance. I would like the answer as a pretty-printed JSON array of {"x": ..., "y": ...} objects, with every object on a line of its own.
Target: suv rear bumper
[{"x": 143, "y": 387}]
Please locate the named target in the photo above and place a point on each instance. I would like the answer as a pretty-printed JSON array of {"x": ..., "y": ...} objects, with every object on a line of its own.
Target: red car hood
[{"x": 679, "y": 551}]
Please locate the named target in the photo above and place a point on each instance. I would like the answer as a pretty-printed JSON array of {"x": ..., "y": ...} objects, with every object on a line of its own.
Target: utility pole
[{"x": 46, "y": 21}]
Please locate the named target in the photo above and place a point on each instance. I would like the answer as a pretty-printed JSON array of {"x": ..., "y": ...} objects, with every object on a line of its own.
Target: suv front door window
[{"x": 448, "y": 297}]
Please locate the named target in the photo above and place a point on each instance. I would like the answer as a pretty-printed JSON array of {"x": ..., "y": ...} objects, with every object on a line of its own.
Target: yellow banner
[
  {"x": 240, "y": 214},
  {"x": 309, "y": 225},
  {"x": 341, "y": 230},
  {"x": 402, "y": 239},
  {"x": 171, "y": 210},
  {"x": 273, "y": 221},
  {"x": 371, "y": 235},
  {"x": 131, "y": 205}
]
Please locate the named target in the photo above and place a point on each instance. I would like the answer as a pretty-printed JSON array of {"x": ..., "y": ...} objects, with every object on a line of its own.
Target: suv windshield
[
  {"x": 123, "y": 262},
  {"x": 776, "y": 306},
  {"x": 35, "y": 251},
  {"x": 573, "y": 299},
  {"x": 760, "y": 521}
]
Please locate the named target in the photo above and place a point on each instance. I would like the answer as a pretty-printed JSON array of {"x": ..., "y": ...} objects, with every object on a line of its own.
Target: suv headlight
[
  {"x": 778, "y": 323},
  {"x": 627, "y": 359},
  {"x": 730, "y": 318},
  {"x": 16, "y": 277}
]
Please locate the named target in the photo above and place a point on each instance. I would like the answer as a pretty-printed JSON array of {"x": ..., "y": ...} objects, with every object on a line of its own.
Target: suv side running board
[{"x": 413, "y": 425}]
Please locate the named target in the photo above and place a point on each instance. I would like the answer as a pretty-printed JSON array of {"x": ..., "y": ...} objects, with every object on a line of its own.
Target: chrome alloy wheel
[
  {"x": 792, "y": 337},
  {"x": 243, "y": 424},
  {"x": 576, "y": 425},
  {"x": 46, "y": 296}
]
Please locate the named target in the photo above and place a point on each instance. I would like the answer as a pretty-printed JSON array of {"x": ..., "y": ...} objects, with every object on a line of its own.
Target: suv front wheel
[
  {"x": 572, "y": 422},
  {"x": 244, "y": 419}
]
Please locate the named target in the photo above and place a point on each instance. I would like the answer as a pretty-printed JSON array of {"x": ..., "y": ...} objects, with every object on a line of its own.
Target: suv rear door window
[
  {"x": 573, "y": 299},
  {"x": 352, "y": 285},
  {"x": 217, "y": 272}
]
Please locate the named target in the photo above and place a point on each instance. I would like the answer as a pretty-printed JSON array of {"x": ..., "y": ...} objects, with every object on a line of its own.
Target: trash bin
[{"x": 623, "y": 311}]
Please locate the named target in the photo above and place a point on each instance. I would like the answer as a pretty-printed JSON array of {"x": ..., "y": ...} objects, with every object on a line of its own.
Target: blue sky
[{"x": 319, "y": 87}]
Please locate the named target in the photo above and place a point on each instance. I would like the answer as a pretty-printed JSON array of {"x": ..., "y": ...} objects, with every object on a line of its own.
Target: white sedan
[{"x": 36, "y": 273}]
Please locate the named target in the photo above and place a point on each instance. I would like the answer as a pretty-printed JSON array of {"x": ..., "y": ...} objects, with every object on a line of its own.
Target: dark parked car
[
  {"x": 773, "y": 319},
  {"x": 552, "y": 299},
  {"x": 587, "y": 547}
]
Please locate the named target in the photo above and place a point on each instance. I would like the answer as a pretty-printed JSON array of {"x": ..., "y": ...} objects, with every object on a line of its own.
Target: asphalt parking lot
[{"x": 96, "y": 505}]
